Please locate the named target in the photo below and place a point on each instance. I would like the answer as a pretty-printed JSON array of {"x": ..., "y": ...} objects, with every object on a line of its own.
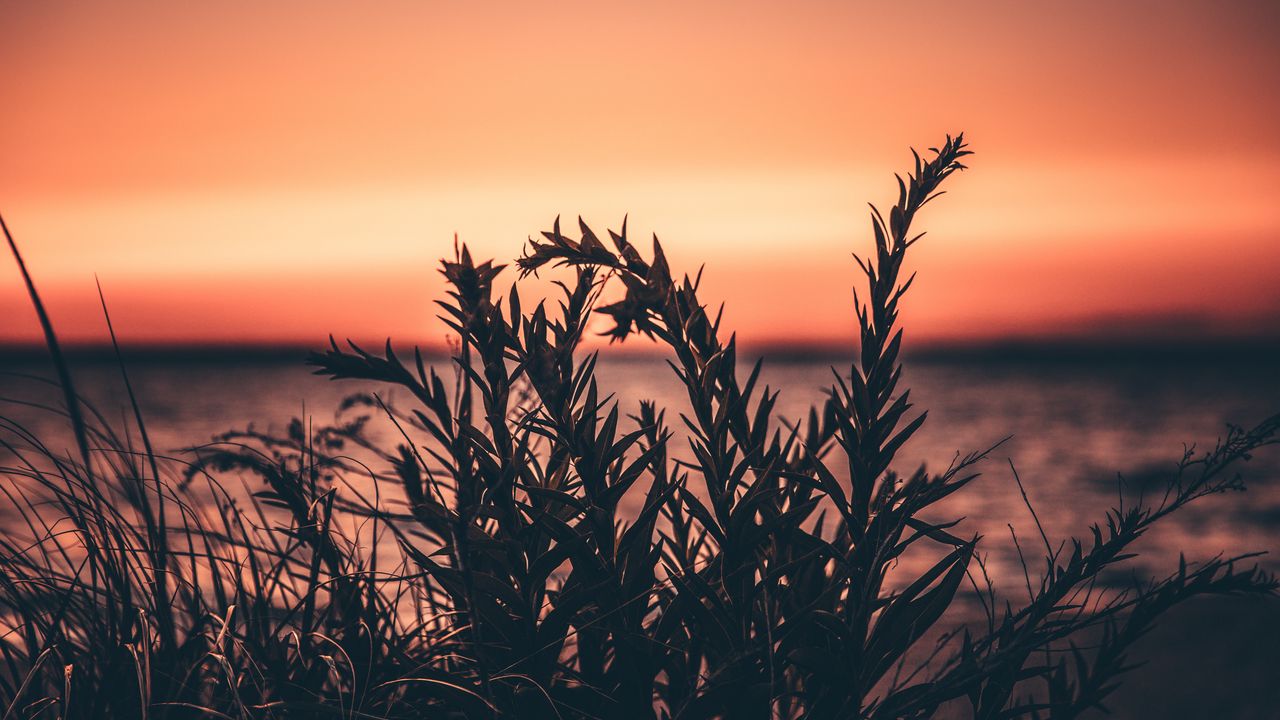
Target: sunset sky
[{"x": 258, "y": 172}]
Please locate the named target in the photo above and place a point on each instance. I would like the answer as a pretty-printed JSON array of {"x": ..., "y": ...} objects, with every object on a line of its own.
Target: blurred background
[
  {"x": 253, "y": 173},
  {"x": 246, "y": 178}
]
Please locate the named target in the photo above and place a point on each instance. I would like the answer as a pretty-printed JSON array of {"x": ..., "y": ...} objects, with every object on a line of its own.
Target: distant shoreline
[{"x": 1013, "y": 351}]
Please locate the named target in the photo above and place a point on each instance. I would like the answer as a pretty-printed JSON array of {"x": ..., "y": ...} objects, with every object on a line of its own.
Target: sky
[{"x": 246, "y": 172}]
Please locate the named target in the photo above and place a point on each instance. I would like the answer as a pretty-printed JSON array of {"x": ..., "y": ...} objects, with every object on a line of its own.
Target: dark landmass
[
  {"x": 1004, "y": 352},
  {"x": 1211, "y": 658}
]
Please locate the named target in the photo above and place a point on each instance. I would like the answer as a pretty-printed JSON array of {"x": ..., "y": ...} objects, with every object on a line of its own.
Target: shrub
[{"x": 486, "y": 565}]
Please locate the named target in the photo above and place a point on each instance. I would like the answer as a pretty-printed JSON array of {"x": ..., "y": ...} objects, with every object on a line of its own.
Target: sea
[{"x": 1084, "y": 431}]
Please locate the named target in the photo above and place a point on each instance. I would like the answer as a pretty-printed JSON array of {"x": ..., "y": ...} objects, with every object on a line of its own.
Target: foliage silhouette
[{"x": 486, "y": 565}]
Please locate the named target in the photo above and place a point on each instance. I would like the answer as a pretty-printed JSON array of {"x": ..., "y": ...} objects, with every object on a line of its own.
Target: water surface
[{"x": 1074, "y": 427}]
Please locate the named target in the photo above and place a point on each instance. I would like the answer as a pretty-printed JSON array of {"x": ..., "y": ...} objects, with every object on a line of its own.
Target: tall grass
[{"x": 530, "y": 549}]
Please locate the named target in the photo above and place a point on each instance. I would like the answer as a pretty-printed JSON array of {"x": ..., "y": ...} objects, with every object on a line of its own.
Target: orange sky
[{"x": 255, "y": 172}]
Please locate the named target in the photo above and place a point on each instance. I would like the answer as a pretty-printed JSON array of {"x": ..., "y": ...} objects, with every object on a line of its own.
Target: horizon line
[{"x": 1014, "y": 348}]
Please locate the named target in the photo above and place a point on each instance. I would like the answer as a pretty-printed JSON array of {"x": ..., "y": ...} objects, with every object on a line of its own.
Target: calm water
[{"x": 1074, "y": 426}]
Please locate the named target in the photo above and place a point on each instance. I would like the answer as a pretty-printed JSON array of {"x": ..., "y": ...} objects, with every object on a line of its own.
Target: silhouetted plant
[{"x": 485, "y": 565}]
